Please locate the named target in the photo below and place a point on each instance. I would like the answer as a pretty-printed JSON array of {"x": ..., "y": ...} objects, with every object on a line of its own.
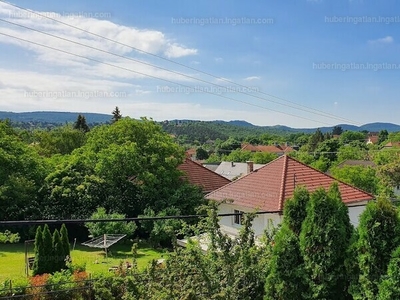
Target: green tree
[
  {"x": 286, "y": 275},
  {"x": 81, "y": 124},
  {"x": 22, "y": 173},
  {"x": 324, "y": 239},
  {"x": 337, "y": 130},
  {"x": 295, "y": 210},
  {"x": 100, "y": 228},
  {"x": 9, "y": 237},
  {"x": 383, "y": 136},
  {"x": 315, "y": 139},
  {"x": 58, "y": 250},
  {"x": 350, "y": 136},
  {"x": 201, "y": 153},
  {"x": 359, "y": 176},
  {"x": 116, "y": 115},
  {"x": 38, "y": 267},
  {"x": 389, "y": 288},
  {"x": 263, "y": 157},
  {"x": 378, "y": 237},
  {"x": 48, "y": 251},
  {"x": 65, "y": 243}
]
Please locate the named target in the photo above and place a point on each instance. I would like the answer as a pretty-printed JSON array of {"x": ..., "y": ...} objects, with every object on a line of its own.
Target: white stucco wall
[
  {"x": 260, "y": 223},
  {"x": 264, "y": 221},
  {"x": 355, "y": 212}
]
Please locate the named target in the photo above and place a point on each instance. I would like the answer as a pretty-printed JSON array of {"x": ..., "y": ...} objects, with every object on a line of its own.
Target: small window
[{"x": 238, "y": 219}]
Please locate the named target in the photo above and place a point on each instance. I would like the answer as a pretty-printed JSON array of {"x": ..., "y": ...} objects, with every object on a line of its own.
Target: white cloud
[
  {"x": 385, "y": 40},
  {"x": 219, "y": 59},
  {"x": 148, "y": 40},
  {"x": 251, "y": 78},
  {"x": 175, "y": 50}
]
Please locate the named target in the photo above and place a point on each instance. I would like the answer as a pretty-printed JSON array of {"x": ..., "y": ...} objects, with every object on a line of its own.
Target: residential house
[
  {"x": 235, "y": 170},
  {"x": 277, "y": 149},
  {"x": 392, "y": 145},
  {"x": 266, "y": 189},
  {"x": 201, "y": 176}
]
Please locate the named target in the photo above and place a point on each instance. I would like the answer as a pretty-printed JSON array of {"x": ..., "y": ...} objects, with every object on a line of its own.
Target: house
[
  {"x": 266, "y": 189},
  {"x": 373, "y": 138},
  {"x": 198, "y": 175},
  {"x": 392, "y": 145},
  {"x": 276, "y": 149},
  {"x": 234, "y": 170}
]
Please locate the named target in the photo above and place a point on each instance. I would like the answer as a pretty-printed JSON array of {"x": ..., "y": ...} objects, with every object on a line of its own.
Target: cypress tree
[
  {"x": 48, "y": 253},
  {"x": 324, "y": 240},
  {"x": 295, "y": 209},
  {"x": 65, "y": 244},
  {"x": 59, "y": 259},
  {"x": 286, "y": 275},
  {"x": 378, "y": 237},
  {"x": 38, "y": 262},
  {"x": 389, "y": 288}
]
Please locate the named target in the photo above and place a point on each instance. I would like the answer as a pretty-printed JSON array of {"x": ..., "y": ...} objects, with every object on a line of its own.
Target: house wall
[
  {"x": 260, "y": 223},
  {"x": 355, "y": 212},
  {"x": 264, "y": 221}
]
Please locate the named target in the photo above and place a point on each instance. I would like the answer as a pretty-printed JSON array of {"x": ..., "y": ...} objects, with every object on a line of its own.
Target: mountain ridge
[{"x": 68, "y": 117}]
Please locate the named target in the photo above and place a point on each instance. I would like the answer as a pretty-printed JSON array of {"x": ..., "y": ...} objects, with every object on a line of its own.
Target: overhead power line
[
  {"x": 158, "y": 78},
  {"x": 138, "y": 219},
  {"x": 297, "y": 106}
]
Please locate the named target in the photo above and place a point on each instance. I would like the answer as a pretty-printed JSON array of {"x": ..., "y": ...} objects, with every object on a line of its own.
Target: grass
[{"x": 12, "y": 258}]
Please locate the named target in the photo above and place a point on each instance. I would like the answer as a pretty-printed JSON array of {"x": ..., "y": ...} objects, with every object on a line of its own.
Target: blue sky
[{"x": 302, "y": 64}]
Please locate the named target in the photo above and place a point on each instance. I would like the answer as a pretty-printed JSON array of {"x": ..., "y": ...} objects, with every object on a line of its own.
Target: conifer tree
[
  {"x": 81, "y": 124},
  {"x": 65, "y": 243},
  {"x": 324, "y": 240},
  {"x": 286, "y": 275},
  {"x": 378, "y": 237},
  {"x": 38, "y": 262},
  {"x": 59, "y": 259},
  {"x": 116, "y": 115},
  {"x": 48, "y": 253},
  {"x": 295, "y": 209},
  {"x": 390, "y": 287}
]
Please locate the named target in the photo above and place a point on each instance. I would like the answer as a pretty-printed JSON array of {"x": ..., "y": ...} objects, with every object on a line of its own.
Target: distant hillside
[
  {"x": 53, "y": 117},
  {"x": 188, "y": 129}
]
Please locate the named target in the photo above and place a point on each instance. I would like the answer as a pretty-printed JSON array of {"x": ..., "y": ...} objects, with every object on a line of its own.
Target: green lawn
[{"x": 12, "y": 261}]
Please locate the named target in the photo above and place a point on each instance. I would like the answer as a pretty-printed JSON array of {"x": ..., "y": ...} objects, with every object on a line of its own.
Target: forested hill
[
  {"x": 54, "y": 118},
  {"x": 195, "y": 130}
]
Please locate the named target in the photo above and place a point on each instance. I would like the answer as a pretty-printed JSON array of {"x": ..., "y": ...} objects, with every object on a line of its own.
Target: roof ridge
[{"x": 283, "y": 182}]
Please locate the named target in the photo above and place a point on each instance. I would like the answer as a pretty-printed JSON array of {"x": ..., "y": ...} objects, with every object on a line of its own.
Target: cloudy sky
[{"x": 299, "y": 63}]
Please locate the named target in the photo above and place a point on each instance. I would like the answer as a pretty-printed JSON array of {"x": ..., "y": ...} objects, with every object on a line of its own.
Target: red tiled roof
[
  {"x": 393, "y": 144},
  {"x": 268, "y": 187},
  {"x": 262, "y": 148},
  {"x": 201, "y": 176}
]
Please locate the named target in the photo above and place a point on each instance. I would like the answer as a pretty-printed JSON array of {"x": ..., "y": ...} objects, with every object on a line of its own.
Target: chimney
[
  {"x": 250, "y": 166},
  {"x": 232, "y": 164}
]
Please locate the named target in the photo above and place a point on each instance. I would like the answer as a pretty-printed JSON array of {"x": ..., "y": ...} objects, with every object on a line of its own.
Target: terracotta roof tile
[
  {"x": 268, "y": 187},
  {"x": 201, "y": 176}
]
